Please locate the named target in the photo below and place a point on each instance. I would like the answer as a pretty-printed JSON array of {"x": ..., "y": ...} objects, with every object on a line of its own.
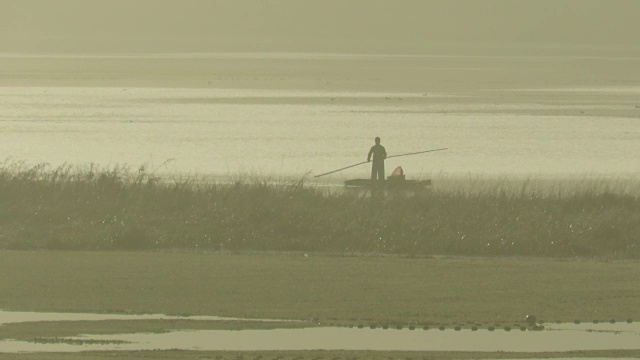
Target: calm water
[
  {"x": 13, "y": 317},
  {"x": 555, "y": 337},
  {"x": 291, "y": 133}
]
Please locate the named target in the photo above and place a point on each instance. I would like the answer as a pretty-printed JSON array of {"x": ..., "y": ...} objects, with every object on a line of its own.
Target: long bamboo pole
[
  {"x": 344, "y": 168},
  {"x": 388, "y": 157},
  {"x": 417, "y": 152}
]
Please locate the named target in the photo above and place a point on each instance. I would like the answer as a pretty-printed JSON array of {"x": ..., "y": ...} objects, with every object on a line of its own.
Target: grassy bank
[
  {"x": 119, "y": 208},
  {"x": 332, "y": 289}
]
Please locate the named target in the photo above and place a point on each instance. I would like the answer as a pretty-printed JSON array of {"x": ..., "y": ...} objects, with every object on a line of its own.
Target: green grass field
[{"x": 331, "y": 289}]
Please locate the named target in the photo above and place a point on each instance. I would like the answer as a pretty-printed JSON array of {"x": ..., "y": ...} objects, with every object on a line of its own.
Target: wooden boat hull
[{"x": 388, "y": 184}]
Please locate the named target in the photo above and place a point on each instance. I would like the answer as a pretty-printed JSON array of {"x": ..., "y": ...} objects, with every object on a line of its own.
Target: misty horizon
[{"x": 341, "y": 26}]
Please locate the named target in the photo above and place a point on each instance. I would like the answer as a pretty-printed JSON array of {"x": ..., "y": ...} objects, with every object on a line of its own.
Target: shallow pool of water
[
  {"x": 555, "y": 337},
  {"x": 9, "y": 317}
]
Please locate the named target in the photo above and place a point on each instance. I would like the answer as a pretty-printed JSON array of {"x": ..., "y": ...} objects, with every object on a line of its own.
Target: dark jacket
[{"x": 378, "y": 152}]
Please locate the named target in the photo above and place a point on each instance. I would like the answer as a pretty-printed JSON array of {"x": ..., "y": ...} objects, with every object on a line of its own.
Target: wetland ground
[{"x": 318, "y": 289}]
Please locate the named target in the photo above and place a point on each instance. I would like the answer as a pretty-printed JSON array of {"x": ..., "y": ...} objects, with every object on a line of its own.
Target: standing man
[{"x": 379, "y": 154}]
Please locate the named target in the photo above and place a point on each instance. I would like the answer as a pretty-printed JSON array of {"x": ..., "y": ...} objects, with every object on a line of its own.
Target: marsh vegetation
[{"x": 92, "y": 208}]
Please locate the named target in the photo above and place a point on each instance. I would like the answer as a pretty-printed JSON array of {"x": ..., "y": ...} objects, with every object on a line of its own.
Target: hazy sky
[{"x": 184, "y": 25}]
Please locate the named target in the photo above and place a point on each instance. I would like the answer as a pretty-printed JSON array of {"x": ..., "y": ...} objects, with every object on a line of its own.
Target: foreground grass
[
  {"x": 328, "y": 290},
  {"x": 106, "y": 209}
]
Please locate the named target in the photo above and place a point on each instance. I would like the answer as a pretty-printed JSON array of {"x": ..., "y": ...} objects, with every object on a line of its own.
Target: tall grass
[{"x": 72, "y": 207}]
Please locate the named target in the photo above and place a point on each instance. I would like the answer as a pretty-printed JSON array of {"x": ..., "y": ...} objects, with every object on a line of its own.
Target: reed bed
[{"x": 93, "y": 208}]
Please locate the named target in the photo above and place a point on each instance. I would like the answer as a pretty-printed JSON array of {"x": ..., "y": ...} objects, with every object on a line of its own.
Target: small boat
[
  {"x": 400, "y": 184},
  {"x": 396, "y": 181}
]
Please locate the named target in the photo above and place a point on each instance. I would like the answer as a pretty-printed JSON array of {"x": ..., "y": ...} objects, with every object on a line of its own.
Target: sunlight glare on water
[{"x": 262, "y": 132}]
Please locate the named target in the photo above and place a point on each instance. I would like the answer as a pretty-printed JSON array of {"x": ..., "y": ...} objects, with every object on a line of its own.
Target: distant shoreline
[{"x": 435, "y": 72}]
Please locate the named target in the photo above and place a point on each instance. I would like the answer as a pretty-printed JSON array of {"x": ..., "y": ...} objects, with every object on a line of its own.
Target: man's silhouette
[{"x": 379, "y": 154}]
